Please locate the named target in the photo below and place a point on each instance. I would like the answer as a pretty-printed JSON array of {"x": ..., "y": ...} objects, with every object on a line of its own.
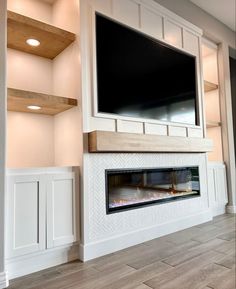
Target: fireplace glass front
[{"x": 126, "y": 189}]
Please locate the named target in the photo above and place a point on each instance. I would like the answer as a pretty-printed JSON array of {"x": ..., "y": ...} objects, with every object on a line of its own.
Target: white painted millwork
[
  {"x": 41, "y": 214},
  {"x": 217, "y": 187},
  {"x": 129, "y": 126},
  {"x": 149, "y": 18},
  {"x": 3, "y": 93},
  {"x": 103, "y": 234},
  {"x": 60, "y": 210}
]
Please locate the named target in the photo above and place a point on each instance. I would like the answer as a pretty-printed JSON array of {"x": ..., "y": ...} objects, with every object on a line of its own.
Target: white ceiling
[{"x": 223, "y": 10}]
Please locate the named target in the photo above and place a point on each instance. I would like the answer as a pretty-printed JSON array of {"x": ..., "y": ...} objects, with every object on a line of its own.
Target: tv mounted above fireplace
[{"x": 141, "y": 77}]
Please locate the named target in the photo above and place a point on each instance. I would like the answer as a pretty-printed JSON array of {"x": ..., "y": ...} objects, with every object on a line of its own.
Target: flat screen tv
[{"x": 141, "y": 77}]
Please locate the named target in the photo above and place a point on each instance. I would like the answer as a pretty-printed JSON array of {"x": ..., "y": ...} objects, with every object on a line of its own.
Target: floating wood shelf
[
  {"x": 53, "y": 40},
  {"x": 18, "y": 100},
  {"x": 102, "y": 141},
  {"x": 209, "y": 86},
  {"x": 211, "y": 124}
]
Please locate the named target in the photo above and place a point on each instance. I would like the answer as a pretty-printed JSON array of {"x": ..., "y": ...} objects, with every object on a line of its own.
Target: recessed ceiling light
[
  {"x": 32, "y": 42},
  {"x": 33, "y": 107}
]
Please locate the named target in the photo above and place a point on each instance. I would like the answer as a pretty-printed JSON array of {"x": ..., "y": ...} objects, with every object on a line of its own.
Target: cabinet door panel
[
  {"x": 26, "y": 216},
  {"x": 60, "y": 210}
]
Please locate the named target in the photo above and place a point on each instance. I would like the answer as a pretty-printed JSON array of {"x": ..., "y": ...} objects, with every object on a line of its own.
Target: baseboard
[
  {"x": 231, "y": 209},
  {"x": 219, "y": 210},
  {"x": 107, "y": 246},
  {"x": 31, "y": 263},
  {"x": 3, "y": 280}
]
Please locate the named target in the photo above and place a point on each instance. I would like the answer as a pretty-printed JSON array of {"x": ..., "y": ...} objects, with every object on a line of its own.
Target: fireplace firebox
[{"x": 132, "y": 188}]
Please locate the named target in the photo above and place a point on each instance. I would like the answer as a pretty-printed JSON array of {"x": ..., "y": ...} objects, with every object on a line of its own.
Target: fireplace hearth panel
[{"x": 132, "y": 188}]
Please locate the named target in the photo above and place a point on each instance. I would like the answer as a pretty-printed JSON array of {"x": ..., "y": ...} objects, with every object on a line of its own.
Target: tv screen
[{"x": 141, "y": 77}]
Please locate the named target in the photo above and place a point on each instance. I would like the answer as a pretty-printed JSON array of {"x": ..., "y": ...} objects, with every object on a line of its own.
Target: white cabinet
[
  {"x": 41, "y": 210},
  {"x": 217, "y": 187}
]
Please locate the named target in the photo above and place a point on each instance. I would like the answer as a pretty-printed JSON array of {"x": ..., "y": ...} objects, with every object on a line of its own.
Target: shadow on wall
[{"x": 233, "y": 93}]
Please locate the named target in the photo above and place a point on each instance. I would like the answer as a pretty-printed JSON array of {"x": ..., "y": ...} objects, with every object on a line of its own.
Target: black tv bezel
[{"x": 162, "y": 42}]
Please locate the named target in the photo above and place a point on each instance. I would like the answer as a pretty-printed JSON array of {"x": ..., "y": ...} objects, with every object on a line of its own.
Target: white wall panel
[
  {"x": 173, "y": 33},
  {"x": 102, "y": 124},
  {"x": 129, "y": 126},
  {"x": 195, "y": 132},
  {"x": 157, "y": 129},
  {"x": 126, "y": 11},
  {"x": 151, "y": 23},
  {"x": 177, "y": 131},
  {"x": 191, "y": 42},
  {"x": 104, "y": 6}
]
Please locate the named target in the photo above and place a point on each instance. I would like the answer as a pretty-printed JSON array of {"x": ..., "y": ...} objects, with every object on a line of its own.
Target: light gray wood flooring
[{"x": 201, "y": 257}]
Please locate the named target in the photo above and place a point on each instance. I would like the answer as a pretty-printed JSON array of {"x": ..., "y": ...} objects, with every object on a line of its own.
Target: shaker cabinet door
[
  {"x": 60, "y": 209},
  {"x": 25, "y": 215}
]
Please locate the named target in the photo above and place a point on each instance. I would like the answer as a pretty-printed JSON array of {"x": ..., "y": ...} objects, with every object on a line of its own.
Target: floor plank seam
[{"x": 222, "y": 265}]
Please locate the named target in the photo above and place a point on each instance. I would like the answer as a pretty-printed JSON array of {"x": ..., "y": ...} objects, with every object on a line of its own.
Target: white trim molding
[
  {"x": 231, "y": 209},
  {"x": 31, "y": 263},
  {"x": 110, "y": 245},
  {"x": 3, "y": 280}
]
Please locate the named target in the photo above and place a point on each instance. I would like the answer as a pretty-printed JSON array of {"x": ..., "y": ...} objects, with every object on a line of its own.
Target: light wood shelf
[
  {"x": 209, "y": 86},
  {"x": 103, "y": 141},
  {"x": 211, "y": 124},
  {"x": 18, "y": 100},
  {"x": 53, "y": 40}
]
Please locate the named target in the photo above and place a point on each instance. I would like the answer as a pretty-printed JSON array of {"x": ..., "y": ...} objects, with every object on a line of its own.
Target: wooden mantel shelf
[
  {"x": 53, "y": 39},
  {"x": 103, "y": 141},
  {"x": 18, "y": 100}
]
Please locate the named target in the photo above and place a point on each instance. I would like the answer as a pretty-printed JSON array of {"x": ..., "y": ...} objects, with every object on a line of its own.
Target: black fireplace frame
[{"x": 149, "y": 203}]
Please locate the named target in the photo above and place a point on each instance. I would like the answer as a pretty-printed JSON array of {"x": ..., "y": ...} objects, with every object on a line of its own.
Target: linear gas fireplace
[{"x": 126, "y": 189}]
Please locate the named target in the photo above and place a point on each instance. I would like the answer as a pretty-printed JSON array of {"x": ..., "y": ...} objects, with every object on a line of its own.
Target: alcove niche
[
  {"x": 52, "y": 135},
  {"x": 212, "y": 99}
]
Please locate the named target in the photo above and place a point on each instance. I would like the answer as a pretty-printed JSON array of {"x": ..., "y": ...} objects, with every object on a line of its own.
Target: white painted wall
[
  {"x": 29, "y": 72},
  {"x": 68, "y": 136},
  {"x": 3, "y": 280},
  {"x": 36, "y": 9},
  {"x": 30, "y": 140}
]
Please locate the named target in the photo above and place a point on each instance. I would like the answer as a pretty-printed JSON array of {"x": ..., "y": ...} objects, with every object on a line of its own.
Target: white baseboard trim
[
  {"x": 27, "y": 264},
  {"x": 107, "y": 246},
  {"x": 219, "y": 210},
  {"x": 3, "y": 280},
  {"x": 231, "y": 209}
]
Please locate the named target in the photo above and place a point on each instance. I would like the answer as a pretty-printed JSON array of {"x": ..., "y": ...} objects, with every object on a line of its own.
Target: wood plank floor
[{"x": 201, "y": 257}]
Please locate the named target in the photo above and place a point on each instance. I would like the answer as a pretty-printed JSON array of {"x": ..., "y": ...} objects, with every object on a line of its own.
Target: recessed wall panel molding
[
  {"x": 173, "y": 33},
  {"x": 126, "y": 11},
  {"x": 191, "y": 42},
  {"x": 129, "y": 126},
  {"x": 104, "y": 6},
  {"x": 158, "y": 129},
  {"x": 102, "y": 124},
  {"x": 195, "y": 132},
  {"x": 151, "y": 22},
  {"x": 177, "y": 131}
]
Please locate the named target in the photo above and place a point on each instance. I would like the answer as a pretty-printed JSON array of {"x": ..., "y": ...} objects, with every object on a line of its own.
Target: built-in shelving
[
  {"x": 209, "y": 86},
  {"x": 19, "y": 100},
  {"x": 211, "y": 124},
  {"x": 53, "y": 40}
]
